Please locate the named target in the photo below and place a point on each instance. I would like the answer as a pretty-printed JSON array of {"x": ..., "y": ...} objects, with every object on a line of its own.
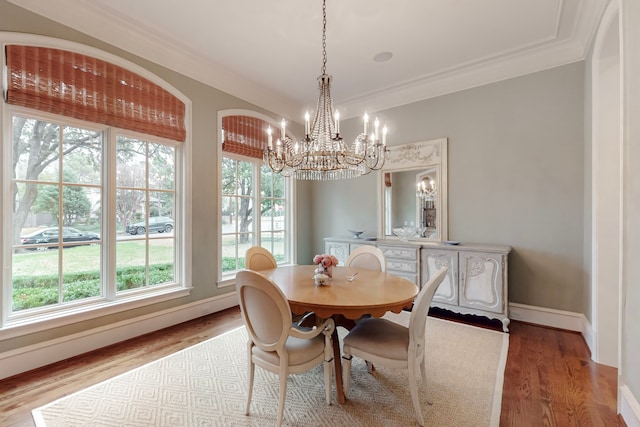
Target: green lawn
[{"x": 87, "y": 258}]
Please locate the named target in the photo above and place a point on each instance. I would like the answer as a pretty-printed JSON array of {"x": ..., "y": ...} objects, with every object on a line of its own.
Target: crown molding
[
  {"x": 579, "y": 19},
  {"x": 470, "y": 76}
]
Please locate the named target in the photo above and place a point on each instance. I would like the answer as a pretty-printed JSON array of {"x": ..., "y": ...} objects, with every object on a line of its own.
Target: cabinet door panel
[
  {"x": 434, "y": 260},
  {"x": 481, "y": 281}
]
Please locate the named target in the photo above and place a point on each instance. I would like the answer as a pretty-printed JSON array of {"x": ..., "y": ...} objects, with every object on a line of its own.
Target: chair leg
[
  {"x": 423, "y": 370},
  {"x": 283, "y": 394},
  {"x": 413, "y": 387},
  {"x": 328, "y": 372},
  {"x": 252, "y": 368},
  {"x": 329, "y": 363},
  {"x": 346, "y": 376}
]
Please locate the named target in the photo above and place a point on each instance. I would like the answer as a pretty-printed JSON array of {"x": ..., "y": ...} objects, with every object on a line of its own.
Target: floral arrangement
[
  {"x": 325, "y": 264},
  {"x": 325, "y": 260}
]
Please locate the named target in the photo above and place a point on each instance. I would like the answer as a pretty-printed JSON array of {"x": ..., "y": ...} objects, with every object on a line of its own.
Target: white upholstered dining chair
[
  {"x": 389, "y": 344},
  {"x": 368, "y": 257},
  {"x": 274, "y": 344},
  {"x": 258, "y": 258}
]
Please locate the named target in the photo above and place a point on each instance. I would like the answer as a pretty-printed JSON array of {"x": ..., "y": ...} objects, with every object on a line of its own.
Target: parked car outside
[
  {"x": 52, "y": 235},
  {"x": 156, "y": 223}
]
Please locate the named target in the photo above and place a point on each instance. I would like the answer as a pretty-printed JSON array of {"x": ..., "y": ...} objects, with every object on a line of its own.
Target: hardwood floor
[{"x": 549, "y": 379}]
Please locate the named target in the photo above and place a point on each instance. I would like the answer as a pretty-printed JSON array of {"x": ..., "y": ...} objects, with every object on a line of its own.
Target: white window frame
[
  {"x": 228, "y": 279},
  {"x": 16, "y": 324}
]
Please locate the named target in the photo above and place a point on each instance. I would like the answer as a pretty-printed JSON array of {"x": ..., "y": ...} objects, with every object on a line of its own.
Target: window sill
[
  {"x": 32, "y": 324},
  {"x": 226, "y": 282}
]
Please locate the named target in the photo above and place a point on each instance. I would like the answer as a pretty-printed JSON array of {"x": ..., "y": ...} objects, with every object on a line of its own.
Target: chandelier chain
[{"x": 324, "y": 37}]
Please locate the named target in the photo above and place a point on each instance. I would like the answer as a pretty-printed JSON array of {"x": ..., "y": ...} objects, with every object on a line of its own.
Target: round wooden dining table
[{"x": 371, "y": 292}]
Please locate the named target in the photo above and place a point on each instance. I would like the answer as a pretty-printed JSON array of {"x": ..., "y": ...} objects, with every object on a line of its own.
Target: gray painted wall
[{"x": 516, "y": 177}]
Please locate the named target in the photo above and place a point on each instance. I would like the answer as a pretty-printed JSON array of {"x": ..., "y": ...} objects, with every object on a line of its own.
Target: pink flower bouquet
[{"x": 326, "y": 262}]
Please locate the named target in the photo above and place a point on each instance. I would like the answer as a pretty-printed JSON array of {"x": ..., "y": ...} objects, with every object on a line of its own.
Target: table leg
[
  {"x": 337, "y": 363},
  {"x": 348, "y": 324}
]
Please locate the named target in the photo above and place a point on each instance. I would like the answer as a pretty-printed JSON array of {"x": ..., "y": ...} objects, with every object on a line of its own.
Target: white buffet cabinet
[{"x": 476, "y": 282}]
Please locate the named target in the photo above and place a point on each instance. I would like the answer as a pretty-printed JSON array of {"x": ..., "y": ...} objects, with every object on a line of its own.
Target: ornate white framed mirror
[{"x": 413, "y": 192}]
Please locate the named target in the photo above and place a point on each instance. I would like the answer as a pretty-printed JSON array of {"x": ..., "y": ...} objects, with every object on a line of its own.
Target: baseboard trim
[
  {"x": 24, "y": 359},
  {"x": 629, "y": 407},
  {"x": 553, "y": 318},
  {"x": 547, "y": 316}
]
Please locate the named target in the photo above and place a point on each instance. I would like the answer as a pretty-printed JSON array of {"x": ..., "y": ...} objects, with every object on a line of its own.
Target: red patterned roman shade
[
  {"x": 244, "y": 135},
  {"x": 86, "y": 88}
]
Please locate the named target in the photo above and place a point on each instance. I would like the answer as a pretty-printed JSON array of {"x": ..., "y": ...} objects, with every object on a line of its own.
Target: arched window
[
  {"x": 97, "y": 183},
  {"x": 256, "y": 203}
]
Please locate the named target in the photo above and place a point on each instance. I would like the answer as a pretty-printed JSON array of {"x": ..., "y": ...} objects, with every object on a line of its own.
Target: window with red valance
[
  {"x": 99, "y": 158},
  {"x": 244, "y": 135},
  {"x": 79, "y": 86}
]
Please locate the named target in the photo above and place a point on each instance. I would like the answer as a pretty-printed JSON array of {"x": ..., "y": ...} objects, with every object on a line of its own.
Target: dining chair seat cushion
[
  {"x": 300, "y": 351},
  {"x": 380, "y": 337}
]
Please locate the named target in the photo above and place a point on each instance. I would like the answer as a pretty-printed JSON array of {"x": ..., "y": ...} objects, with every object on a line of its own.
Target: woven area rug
[{"x": 205, "y": 385}]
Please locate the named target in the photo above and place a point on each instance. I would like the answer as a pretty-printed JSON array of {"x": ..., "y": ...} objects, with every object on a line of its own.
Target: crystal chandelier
[
  {"x": 427, "y": 192},
  {"x": 323, "y": 155}
]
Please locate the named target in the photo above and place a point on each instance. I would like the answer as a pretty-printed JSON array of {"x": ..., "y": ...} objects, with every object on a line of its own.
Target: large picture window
[
  {"x": 256, "y": 203},
  {"x": 93, "y": 204}
]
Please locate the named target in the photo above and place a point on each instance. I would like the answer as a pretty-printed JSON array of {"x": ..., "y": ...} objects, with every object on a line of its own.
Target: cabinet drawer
[
  {"x": 399, "y": 253},
  {"x": 402, "y": 266}
]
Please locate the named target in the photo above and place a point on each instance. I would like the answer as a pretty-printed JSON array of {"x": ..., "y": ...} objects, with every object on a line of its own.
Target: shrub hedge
[{"x": 39, "y": 291}]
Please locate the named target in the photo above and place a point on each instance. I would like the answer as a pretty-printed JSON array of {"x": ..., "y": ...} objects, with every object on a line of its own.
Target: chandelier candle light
[
  {"x": 427, "y": 194},
  {"x": 323, "y": 155}
]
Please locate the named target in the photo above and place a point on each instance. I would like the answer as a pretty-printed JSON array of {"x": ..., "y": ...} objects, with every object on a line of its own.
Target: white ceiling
[{"x": 270, "y": 52}]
